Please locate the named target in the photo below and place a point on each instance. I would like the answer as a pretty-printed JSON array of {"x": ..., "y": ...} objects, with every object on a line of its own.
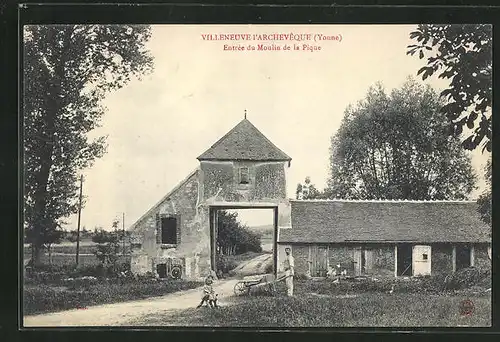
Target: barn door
[
  {"x": 319, "y": 258},
  {"x": 357, "y": 261},
  {"x": 421, "y": 260},
  {"x": 363, "y": 260},
  {"x": 368, "y": 261}
]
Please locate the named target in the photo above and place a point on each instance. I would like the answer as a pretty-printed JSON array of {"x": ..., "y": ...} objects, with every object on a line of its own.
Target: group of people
[{"x": 209, "y": 297}]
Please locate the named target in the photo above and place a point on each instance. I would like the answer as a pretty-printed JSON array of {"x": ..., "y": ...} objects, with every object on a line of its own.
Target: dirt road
[
  {"x": 253, "y": 266},
  {"x": 120, "y": 313}
]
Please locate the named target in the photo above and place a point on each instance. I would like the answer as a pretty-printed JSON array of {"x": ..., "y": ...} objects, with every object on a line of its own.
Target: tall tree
[
  {"x": 396, "y": 146},
  {"x": 68, "y": 70},
  {"x": 233, "y": 237},
  {"x": 463, "y": 54},
  {"x": 484, "y": 201}
]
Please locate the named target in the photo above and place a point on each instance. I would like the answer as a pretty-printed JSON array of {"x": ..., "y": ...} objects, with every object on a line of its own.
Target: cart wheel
[
  {"x": 176, "y": 272},
  {"x": 241, "y": 289}
]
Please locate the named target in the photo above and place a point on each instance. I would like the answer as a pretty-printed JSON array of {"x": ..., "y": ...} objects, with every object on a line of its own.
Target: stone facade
[
  {"x": 442, "y": 259},
  {"x": 221, "y": 181},
  {"x": 481, "y": 258},
  {"x": 214, "y": 184},
  {"x": 192, "y": 249},
  {"x": 380, "y": 258}
]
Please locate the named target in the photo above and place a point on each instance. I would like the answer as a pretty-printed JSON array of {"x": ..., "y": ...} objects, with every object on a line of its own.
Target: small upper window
[
  {"x": 244, "y": 175},
  {"x": 424, "y": 256}
]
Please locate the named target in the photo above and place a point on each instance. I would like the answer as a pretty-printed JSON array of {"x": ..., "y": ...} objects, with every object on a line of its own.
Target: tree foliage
[
  {"x": 396, "y": 146},
  {"x": 233, "y": 237},
  {"x": 484, "y": 201},
  {"x": 108, "y": 247},
  {"x": 68, "y": 70},
  {"x": 463, "y": 54}
]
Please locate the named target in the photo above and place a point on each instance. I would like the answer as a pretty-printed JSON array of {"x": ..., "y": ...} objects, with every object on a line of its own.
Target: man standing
[{"x": 289, "y": 266}]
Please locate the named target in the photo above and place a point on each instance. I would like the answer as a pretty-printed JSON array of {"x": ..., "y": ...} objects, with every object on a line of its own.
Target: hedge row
[
  {"x": 464, "y": 279},
  {"x": 56, "y": 274}
]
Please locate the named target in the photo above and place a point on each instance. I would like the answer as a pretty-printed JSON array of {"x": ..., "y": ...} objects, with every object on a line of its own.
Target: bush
[
  {"x": 468, "y": 277},
  {"x": 225, "y": 264},
  {"x": 99, "y": 270},
  {"x": 463, "y": 279}
]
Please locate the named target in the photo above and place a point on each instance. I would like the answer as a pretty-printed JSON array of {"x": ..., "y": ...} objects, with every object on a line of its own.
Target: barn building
[
  {"x": 244, "y": 169},
  {"x": 386, "y": 238}
]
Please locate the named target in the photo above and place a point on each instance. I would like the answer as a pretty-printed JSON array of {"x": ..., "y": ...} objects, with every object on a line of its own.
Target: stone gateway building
[{"x": 244, "y": 169}]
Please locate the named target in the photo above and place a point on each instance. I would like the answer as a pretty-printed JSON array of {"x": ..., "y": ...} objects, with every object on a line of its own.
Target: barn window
[
  {"x": 244, "y": 178},
  {"x": 161, "y": 269},
  {"x": 463, "y": 257},
  {"x": 424, "y": 257},
  {"x": 169, "y": 230}
]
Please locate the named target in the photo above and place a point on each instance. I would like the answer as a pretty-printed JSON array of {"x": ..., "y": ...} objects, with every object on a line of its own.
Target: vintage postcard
[{"x": 257, "y": 175}]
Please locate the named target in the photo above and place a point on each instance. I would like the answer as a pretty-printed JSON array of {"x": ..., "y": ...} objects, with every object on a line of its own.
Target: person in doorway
[{"x": 289, "y": 266}]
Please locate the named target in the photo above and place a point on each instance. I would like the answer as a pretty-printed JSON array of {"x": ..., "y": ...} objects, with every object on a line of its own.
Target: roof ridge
[
  {"x": 170, "y": 193},
  {"x": 246, "y": 127},
  {"x": 382, "y": 200},
  {"x": 267, "y": 139},
  {"x": 215, "y": 144}
]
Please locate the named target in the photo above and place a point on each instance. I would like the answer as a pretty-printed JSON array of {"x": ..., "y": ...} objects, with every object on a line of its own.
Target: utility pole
[
  {"x": 79, "y": 215},
  {"x": 123, "y": 225}
]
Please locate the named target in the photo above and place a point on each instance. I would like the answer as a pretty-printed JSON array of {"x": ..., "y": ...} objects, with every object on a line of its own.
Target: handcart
[{"x": 268, "y": 282}]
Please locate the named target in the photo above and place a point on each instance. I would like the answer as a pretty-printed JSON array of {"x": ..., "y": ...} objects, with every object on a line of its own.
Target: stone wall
[
  {"x": 301, "y": 257},
  {"x": 221, "y": 181},
  {"x": 270, "y": 181},
  {"x": 382, "y": 261},
  {"x": 441, "y": 259},
  {"x": 343, "y": 255},
  {"x": 481, "y": 258},
  {"x": 382, "y": 258}
]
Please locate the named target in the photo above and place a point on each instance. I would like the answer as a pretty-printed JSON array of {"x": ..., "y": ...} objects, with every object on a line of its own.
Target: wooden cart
[{"x": 268, "y": 282}]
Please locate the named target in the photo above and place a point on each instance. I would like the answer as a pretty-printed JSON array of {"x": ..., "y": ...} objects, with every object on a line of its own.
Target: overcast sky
[{"x": 158, "y": 126}]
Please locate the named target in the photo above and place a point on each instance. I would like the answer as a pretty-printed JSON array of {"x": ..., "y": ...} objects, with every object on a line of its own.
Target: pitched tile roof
[
  {"x": 244, "y": 142},
  {"x": 385, "y": 221}
]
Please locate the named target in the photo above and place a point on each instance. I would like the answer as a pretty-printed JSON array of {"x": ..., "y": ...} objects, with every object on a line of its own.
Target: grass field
[
  {"x": 51, "y": 298},
  {"x": 324, "y": 304},
  {"x": 369, "y": 310},
  {"x": 65, "y": 253}
]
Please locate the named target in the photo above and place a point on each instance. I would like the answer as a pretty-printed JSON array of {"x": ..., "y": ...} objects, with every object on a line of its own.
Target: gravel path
[{"x": 120, "y": 313}]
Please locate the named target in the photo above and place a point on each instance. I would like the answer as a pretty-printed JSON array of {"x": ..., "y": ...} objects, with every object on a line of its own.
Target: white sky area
[
  {"x": 255, "y": 217},
  {"x": 158, "y": 126}
]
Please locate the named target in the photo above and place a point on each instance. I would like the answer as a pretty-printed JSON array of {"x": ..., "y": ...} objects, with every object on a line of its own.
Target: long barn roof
[{"x": 340, "y": 221}]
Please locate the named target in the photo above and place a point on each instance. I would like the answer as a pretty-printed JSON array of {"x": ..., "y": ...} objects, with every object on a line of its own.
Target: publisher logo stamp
[{"x": 466, "y": 307}]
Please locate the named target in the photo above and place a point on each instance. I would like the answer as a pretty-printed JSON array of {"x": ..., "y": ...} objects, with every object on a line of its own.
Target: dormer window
[{"x": 244, "y": 178}]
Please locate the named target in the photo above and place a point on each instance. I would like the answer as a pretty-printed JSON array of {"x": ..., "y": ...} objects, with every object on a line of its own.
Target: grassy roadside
[
  {"x": 44, "y": 298},
  {"x": 370, "y": 310}
]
